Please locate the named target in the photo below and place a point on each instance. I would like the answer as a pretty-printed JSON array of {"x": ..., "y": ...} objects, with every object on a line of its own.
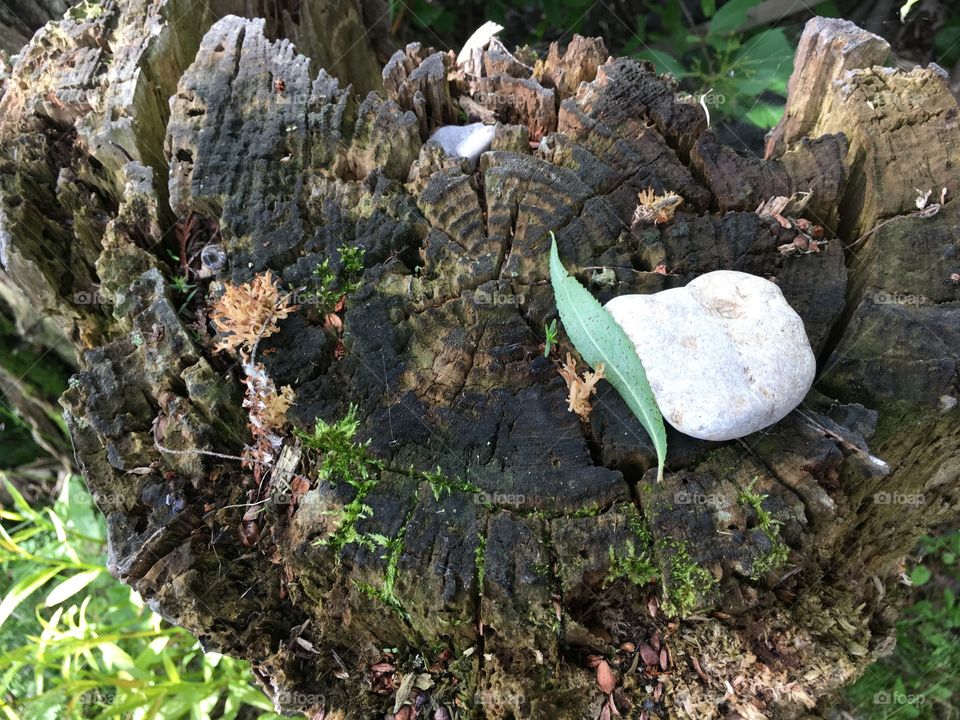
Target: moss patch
[
  {"x": 686, "y": 583},
  {"x": 634, "y": 564},
  {"x": 778, "y": 553}
]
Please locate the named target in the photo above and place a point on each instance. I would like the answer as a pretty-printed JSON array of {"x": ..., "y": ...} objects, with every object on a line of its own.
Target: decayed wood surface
[{"x": 506, "y": 595}]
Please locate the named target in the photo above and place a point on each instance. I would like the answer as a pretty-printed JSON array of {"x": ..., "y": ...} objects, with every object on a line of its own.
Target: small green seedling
[{"x": 550, "y": 331}]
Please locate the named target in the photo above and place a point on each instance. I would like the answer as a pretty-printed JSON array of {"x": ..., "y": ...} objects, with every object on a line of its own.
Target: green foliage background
[{"x": 76, "y": 643}]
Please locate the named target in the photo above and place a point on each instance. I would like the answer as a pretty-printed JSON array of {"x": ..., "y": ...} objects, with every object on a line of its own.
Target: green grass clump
[{"x": 76, "y": 643}]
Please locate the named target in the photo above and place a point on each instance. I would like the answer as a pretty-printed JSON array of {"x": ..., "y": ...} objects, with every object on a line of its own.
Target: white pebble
[
  {"x": 725, "y": 356},
  {"x": 465, "y": 141}
]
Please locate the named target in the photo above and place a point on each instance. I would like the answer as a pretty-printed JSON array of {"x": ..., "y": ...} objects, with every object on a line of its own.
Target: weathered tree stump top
[{"x": 502, "y": 545}]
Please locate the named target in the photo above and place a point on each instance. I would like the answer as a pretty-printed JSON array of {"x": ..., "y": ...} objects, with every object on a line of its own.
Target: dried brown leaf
[
  {"x": 580, "y": 389},
  {"x": 605, "y": 678},
  {"x": 656, "y": 208},
  {"x": 649, "y": 655}
]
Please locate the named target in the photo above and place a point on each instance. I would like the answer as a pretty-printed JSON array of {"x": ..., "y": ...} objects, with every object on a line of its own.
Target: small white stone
[
  {"x": 465, "y": 141},
  {"x": 725, "y": 356}
]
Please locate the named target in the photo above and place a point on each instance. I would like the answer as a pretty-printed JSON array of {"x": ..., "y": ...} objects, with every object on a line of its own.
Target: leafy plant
[
  {"x": 343, "y": 459},
  {"x": 75, "y": 643},
  {"x": 919, "y": 680},
  {"x": 601, "y": 341},
  {"x": 326, "y": 291},
  {"x": 726, "y": 71},
  {"x": 636, "y": 567}
]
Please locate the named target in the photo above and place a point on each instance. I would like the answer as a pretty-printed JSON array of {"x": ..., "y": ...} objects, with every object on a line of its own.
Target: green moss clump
[
  {"x": 439, "y": 484},
  {"x": 343, "y": 459},
  {"x": 636, "y": 564},
  {"x": 778, "y": 553},
  {"x": 588, "y": 511},
  {"x": 478, "y": 558},
  {"x": 635, "y": 567},
  {"x": 766, "y": 562},
  {"x": 687, "y": 582},
  {"x": 387, "y": 592}
]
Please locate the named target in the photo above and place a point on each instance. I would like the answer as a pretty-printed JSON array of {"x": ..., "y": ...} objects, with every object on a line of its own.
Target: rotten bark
[{"x": 511, "y": 526}]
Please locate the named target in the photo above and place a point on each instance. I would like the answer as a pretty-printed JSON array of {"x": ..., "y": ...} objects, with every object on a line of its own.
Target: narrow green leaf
[
  {"x": 599, "y": 339},
  {"x": 70, "y": 587},
  {"x": 18, "y": 500},
  {"x": 22, "y": 589}
]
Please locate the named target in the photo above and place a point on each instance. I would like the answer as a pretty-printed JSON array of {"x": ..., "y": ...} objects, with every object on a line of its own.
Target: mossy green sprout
[
  {"x": 479, "y": 553},
  {"x": 185, "y": 288},
  {"x": 440, "y": 484},
  {"x": 636, "y": 567},
  {"x": 326, "y": 291},
  {"x": 636, "y": 564},
  {"x": 387, "y": 592},
  {"x": 550, "y": 335},
  {"x": 343, "y": 459},
  {"x": 778, "y": 553}
]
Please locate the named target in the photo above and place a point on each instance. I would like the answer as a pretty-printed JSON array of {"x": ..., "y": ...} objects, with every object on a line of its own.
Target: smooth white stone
[
  {"x": 465, "y": 141},
  {"x": 725, "y": 355}
]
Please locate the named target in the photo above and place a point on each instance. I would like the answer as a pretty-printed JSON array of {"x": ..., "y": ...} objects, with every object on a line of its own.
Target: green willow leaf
[
  {"x": 70, "y": 587},
  {"x": 23, "y": 588},
  {"x": 598, "y": 339}
]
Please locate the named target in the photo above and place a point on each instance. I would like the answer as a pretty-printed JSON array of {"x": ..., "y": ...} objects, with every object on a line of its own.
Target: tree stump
[{"x": 505, "y": 559}]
